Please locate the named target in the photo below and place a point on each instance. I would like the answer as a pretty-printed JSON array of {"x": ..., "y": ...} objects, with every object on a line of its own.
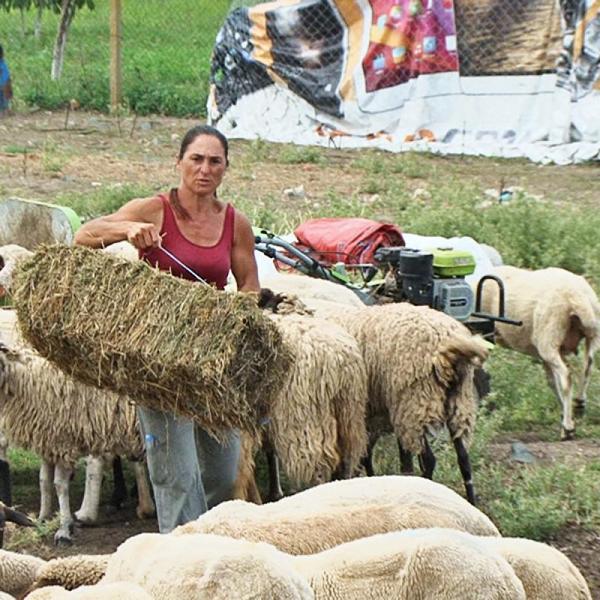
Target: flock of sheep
[
  {"x": 395, "y": 537},
  {"x": 358, "y": 372}
]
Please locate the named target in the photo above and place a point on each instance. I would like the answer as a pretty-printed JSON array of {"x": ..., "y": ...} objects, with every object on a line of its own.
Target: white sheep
[
  {"x": 333, "y": 513},
  {"x": 9, "y": 257},
  {"x": 114, "y": 591},
  {"x": 71, "y": 572},
  {"x": 188, "y": 569},
  {"x": 402, "y": 566},
  {"x": 317, "y": 422},
  {"x": 544, "y": 571},
  {"x": 558, "y": 310},
  {"x": 35, "y": 397},
  {"x": 310, "y": 287},
  {"x": 18, "y": 571}
]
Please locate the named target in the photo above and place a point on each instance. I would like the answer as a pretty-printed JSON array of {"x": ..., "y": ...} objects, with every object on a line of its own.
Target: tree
[{"x": 66, "y": 9}]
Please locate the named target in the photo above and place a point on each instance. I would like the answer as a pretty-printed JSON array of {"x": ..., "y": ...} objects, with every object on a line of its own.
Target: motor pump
[{"x": 434, "y": 278}]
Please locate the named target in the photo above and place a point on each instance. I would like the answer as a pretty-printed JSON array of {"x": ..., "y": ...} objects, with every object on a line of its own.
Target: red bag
[{"x": 347, "y": 240}]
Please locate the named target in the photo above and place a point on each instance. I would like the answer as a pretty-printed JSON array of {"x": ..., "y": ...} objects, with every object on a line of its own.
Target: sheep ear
[{"x": 262, "y": 577}]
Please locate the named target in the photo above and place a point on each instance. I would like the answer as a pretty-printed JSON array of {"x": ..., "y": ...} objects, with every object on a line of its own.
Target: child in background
[{"x": 5, "y": 85}]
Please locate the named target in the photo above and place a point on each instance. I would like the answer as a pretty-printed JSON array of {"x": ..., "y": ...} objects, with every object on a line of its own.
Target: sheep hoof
[
  {"x": 145, "y": 513},
  {"x": 84, "y": 520},
  {"x": 567, "y": 434},
  {"x": 62, "y": 539}
]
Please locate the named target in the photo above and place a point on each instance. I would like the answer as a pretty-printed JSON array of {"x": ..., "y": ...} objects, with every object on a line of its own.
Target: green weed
[{"x": 160, "y": 74}]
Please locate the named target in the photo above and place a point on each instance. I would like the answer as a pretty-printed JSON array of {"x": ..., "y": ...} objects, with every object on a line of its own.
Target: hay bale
[{"x": 167, "y": 343}]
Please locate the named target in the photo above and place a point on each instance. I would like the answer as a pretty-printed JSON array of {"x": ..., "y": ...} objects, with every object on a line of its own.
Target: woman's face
[{"x": 203, "y": 165}]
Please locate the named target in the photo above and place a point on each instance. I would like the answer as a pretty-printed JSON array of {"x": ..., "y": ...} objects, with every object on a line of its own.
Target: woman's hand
[{"x": 143, "y": 235}]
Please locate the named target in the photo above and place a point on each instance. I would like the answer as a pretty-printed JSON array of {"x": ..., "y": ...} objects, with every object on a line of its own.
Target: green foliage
[
  {"x": 161, "y": 73},
  {"x": 293, "y": 155},
  {"x": 527, "y": 232},
  {"x": 102, "y": 201},
  {"x": 537, "y": 502}
]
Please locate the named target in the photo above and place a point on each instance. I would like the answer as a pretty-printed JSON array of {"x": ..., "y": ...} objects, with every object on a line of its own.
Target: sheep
[
  {"x": 9, "y": 327},
  {"x": 18, "y": 572},
  {"x": 71, "y": 572},
  {"x": 317, "y": 422},
  {"x": 9, "y": 333},
  {"x": 558, "y": 309},
  {"x": 333, "y": 513},
  {"x": 114, "y": 591},
  {"x": 9, "y": 257},
  {"x": 34, "y": 397},
  {"x": 420, "y": 367},
  {"x": 250, "y": 570},
  {"x": 401, "y": 565},
  {"x": 545, "y": 572},
  {"x": 310, "y": 287}
]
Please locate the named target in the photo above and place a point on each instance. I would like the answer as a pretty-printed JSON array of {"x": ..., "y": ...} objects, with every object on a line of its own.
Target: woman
[{"x": 191, "y": 233}]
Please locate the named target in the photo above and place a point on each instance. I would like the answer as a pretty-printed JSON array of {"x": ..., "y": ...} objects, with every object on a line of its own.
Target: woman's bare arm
[
  {"x": 138, "y": 222},
  {"x": 243, "y": 263}
]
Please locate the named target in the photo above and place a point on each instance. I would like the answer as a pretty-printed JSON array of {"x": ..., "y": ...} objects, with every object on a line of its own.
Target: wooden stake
[{"x": 116, "y": 91}]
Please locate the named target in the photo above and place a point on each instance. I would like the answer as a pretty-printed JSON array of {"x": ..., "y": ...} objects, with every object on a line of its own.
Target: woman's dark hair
[
  {"x": 199, "y": 130},
  {"x": 1, "y": 52}
]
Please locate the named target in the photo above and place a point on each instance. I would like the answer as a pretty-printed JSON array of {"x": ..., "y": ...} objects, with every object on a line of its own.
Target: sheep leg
[
  {"x": 275, "y": 491},
  {"x": 145, "y": 507},
  {"x": 88, "y": 513},
  {"x": 119, "y": 494},
  {"x": 427, "y": 460},
  {"x": 5, "y": 483},
  {"x": 406, "y": 460},
  {"x": 584, "y": 381},
  {"x": 62, "y": 477},
  {"x": 46, "y": 491},
  {"x": 367, "y": 460},
  {"x": 558, "y": 375},
  {"x": 464, "y": 464}
]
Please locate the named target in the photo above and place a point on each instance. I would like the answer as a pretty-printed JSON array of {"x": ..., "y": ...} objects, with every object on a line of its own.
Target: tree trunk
[
  {"x": 23, "y": 32},
  {"x": 66, "y": 16},
  {"x": 38, "y": 22}
]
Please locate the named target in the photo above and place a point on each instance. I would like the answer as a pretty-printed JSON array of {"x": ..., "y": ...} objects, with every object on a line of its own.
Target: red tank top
[{"x": 212, "y": 263}]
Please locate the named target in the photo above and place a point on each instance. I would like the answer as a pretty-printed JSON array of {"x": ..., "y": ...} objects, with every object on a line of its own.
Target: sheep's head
[{"x": 10, "y": 255}]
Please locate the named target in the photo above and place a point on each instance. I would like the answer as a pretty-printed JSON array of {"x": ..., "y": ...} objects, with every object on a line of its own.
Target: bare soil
[{"x": 41, "y": 158}]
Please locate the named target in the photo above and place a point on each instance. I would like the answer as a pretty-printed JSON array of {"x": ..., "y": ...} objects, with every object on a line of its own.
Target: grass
[{"x": 160, "y": 73}]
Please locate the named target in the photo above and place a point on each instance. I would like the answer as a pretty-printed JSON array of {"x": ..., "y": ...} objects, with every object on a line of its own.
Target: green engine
[{"x": 432, "y": 277}]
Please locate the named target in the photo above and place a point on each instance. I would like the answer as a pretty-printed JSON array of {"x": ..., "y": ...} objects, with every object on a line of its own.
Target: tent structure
[{"x": 493, "y": 77}]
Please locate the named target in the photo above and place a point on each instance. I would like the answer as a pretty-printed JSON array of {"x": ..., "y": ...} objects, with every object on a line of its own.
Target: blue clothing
[
  {"x": 4, "y": 79},
  {"x": 190, "y": 471},
  {"x": 4, "y": 72}
]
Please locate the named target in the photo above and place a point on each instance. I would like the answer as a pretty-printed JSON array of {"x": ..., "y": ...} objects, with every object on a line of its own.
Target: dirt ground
[{"x": 40, "y": 158}]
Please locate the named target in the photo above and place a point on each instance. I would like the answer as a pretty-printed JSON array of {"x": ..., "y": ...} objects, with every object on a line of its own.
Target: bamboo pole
[{"x": 116, "y": 74}]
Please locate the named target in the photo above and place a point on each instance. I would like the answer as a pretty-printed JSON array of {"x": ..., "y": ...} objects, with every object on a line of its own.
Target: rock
[
  {"x": 297, "y": 193},
  {"x": 520, "y": 453}
]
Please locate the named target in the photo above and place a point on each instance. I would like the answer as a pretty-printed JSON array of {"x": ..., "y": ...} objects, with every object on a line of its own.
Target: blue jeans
[{"x": 190, "y": 471}]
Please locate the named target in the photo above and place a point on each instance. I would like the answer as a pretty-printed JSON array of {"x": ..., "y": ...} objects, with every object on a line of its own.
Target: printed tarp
[{"x": 511, "y": 78}]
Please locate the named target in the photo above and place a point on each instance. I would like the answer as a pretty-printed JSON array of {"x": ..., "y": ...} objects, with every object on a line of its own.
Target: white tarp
[{"x": 414, "y": 75}]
